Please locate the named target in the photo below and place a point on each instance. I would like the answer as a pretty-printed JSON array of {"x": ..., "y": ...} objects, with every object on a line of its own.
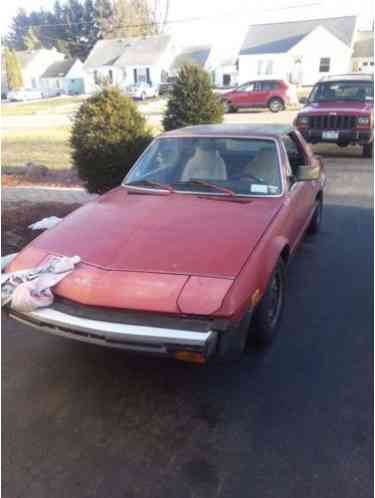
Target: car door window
[
  {"x": 247, "y": 87},
  {"x": 294, "y": 151},
  {"x": 268, "y": 86}
]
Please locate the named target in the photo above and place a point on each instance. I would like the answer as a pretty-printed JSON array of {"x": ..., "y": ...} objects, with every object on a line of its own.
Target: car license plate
[{"x": 330, "y": 135}]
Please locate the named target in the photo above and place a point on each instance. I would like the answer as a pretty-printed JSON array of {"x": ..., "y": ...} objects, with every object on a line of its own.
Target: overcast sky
[{"x": 223, "y": 20}]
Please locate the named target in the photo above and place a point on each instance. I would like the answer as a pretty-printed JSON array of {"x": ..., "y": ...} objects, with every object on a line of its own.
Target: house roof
[
  {"x": 364, "y": 45},
  {"x": 143, "y": 51},
  {"x": 59, "y": 69},
  {"x": 127, "y": 51},
  {"x": 192, "y": 55},
  {"x": 106, "y": 52},
  {"x": 281, "y": 37},
  {"x": 26, "y": 56}
]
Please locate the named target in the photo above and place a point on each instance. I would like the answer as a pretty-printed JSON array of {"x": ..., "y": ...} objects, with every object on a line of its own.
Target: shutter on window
[
  {"x": 148, "y": 75},
  {"x": 135, "y": 76}
]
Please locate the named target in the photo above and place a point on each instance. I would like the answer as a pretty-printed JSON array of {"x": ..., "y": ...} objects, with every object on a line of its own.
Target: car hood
[
  {"x": 155, "y": 246},
  {"x": 352, "y": 108}
]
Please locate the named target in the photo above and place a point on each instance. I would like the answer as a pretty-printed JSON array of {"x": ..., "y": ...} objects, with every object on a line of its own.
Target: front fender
[{"x": 251, "y": 283}]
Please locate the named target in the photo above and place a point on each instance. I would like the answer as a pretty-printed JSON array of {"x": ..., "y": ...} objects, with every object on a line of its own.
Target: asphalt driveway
[{"x": 293, "y": 421}]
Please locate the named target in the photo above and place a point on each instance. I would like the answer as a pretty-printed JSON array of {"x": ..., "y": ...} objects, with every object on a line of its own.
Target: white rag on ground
[{"x": 27, "y": 290}]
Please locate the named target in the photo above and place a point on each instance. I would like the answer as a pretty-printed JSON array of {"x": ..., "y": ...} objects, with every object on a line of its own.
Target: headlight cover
[{"x": 363, "y": 120}]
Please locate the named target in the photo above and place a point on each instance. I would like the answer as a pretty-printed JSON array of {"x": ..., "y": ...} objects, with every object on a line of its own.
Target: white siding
[
  {"x": 33, "y": 71},
  {"x": 317, "y": 45},
  {"x": 301, "y": 63}
]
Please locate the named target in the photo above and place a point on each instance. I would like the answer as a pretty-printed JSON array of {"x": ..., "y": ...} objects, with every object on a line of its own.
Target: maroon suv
[
  {"x": 340, "y": 110},
  {"x": 274, "y": 94}
]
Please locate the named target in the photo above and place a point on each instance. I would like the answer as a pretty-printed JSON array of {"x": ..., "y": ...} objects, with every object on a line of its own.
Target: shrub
[
  {"x": 192, "y": 100},
  {"x": 108, "y": 135}
]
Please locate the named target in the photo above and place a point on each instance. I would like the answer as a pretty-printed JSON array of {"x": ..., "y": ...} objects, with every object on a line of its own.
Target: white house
[
  {"x": 66, "y": 77},
  {"x": 298, "y": 51},
  {"x": 126, "y": 61},
  {"x": 198, "y": 55},
  {"x": 224, "y": 73},
  {"x": 34, "y": 63},
  {"x": 363, "y": 52}
]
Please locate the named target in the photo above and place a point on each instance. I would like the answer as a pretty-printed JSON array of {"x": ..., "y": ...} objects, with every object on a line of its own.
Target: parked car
[
  {"x": 274, "y": 94},
  {"x": 26, "y": 94},
  {"x": 166, "y": 87},
  {"x": 142, "y": 91},
  {"x": 192, "y": 247},
  {"x": 340, "y": 110}
]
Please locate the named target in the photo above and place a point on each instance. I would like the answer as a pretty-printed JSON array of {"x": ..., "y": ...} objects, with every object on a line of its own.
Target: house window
[
  {"x": 260, "y": 66},
  {"x": 269, "y": 67},
  {"x": 33, "y": 82},
  {"x": 135, "y": 74},
  {"x": 110, "y": 76},
  {"x": 226, "y": 79},
  {"x": 324, "y": 65},
  {"x": 96, "y": 77},
  {"x": 57, "y": 84}
]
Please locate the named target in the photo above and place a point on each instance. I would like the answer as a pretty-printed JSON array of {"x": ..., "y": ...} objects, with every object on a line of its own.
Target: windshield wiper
[
  {"x": 224, "y": 190},
  {"x": 149, "y": 183}
]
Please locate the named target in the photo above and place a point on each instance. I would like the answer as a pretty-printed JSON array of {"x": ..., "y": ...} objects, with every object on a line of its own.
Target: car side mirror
[{"x": 307, "y": 173}]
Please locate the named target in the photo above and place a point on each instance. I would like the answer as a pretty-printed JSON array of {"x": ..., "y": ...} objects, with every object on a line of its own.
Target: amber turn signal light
[{"x": 190, "y": 356}]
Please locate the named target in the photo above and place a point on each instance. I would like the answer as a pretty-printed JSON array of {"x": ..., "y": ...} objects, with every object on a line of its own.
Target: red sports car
[{"x": 191, "y": 249}]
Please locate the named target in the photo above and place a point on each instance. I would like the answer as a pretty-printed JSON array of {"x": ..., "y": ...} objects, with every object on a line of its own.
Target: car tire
[
  {"x": 228, "y": 107},
  {"x": 368, "y": 150},
  {"x": 276, "y": 105},
  {"x": 316, "y": 220},
  {"x": 268, "y": 313}
]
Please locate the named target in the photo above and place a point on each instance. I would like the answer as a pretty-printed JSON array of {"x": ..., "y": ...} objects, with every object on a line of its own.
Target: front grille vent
[{"x": 331, "y": 122}]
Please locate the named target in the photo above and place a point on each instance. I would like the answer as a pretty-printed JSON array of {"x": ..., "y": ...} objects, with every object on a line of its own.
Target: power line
[{"x": 174, "y": 21}]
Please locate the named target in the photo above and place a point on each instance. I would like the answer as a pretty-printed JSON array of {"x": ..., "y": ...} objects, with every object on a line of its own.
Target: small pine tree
[
  {"x": 108, "y": 136},
  {"x": 13, "y": 70},
  {"x": 192, "y": 100}
]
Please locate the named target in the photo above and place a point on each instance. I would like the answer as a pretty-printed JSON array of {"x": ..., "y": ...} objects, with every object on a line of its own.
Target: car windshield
[
  {"x": 359, "y": 91},
  {"x": 223, "y": 166}
]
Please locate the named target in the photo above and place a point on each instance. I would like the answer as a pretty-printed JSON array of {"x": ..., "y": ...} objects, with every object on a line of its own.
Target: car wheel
[
  {"x": 227, "y": 107},
  {"x": 316, "y": 220},
  {"x": 267, "y": 316},
  {"x": 368, "y": 150},
  {"x": 276, "y": 105}
]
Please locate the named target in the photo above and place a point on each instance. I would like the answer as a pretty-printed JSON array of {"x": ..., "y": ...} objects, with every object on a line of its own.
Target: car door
[
  {"x": 260, "y": 94},
  {"x": 301, "y": 195},
  {"x": 242, "y": 96}
]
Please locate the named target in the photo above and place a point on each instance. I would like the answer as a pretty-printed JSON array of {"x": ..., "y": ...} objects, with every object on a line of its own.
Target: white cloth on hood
[
  {"x": 45, "y": 223},
  {"x": 27, "y": 290}
]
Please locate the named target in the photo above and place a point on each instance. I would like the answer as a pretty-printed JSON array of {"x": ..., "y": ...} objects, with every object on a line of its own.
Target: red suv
[
  {"x": 274, "y": 94},
  {"x": 340, "y": 110}
]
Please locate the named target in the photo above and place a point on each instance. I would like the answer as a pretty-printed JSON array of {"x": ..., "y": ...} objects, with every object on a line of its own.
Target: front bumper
[
  {"x": 143, "y": 338},
  {"x": 360, "y": 137}
]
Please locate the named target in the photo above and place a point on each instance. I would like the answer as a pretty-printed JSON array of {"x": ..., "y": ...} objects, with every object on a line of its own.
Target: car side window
[
  {"x": 267, "y": 86},
  {"x": 258, "y": 86},
  {"x": 247, "y": 87},
  {"x": 294, "y": 151}
]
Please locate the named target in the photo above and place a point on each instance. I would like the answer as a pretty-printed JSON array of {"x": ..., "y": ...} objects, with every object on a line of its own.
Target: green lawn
[
  {"x": 49, "y": 146},
  {"x": 55, "y": 105}
]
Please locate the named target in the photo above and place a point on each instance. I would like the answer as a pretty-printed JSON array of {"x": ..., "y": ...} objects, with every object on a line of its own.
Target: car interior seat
[
  {"x": 265, "y": 166},
  {"x": 205, "y": 164}
]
